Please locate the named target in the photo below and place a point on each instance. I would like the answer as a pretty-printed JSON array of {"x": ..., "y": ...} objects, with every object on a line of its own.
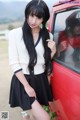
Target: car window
[{"x": 67, "y": 38}]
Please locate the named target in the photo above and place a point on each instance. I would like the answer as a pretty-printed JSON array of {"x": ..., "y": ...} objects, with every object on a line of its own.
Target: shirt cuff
[
  {"x": 17, "y": 71},
  {"x": 16, "y": 67}
]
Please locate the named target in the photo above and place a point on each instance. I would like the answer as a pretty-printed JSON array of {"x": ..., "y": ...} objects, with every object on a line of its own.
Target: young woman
[
  {"x": 69, "y": 42},
  {"x": 31, "y": 48}
]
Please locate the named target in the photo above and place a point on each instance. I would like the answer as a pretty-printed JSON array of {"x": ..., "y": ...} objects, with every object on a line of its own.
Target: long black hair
[
  {"x": 39, "y": 9},
  {"x": 71, "y": 22}
]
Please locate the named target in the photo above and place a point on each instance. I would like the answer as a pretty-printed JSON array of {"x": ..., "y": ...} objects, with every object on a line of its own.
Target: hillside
[
  {"x": 14, "y": 11},
  {"x": 11, "y": 11}
]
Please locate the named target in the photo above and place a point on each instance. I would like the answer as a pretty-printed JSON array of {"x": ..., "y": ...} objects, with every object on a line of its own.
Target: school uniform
[{"x": 19, "y": 60}]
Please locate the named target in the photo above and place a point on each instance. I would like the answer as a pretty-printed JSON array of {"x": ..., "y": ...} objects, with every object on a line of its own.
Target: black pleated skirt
[{"x": 19, "y": 98}]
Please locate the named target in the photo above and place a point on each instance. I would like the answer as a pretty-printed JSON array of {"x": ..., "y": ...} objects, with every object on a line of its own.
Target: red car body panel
[
  {"x": 66, "y": 91},
  {"x": 64, "y": 81}
]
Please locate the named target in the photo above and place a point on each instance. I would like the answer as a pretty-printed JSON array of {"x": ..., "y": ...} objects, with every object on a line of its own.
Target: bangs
[{"x": 36, "y": 11}]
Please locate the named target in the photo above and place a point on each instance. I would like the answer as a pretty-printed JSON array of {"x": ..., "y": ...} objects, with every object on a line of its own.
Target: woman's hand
[
  {"x": 30, "y": 91},
  {"x": 51, "y": 44},
  {"x": 49, "y": 79},
  {"x": 63, "y": 45}
]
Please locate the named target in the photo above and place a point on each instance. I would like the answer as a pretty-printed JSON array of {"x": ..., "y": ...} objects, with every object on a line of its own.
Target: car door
[{"x": 65, "y": 80}]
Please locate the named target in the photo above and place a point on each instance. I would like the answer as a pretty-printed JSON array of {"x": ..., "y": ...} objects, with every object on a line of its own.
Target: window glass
[{"x": 67, "y": 38}]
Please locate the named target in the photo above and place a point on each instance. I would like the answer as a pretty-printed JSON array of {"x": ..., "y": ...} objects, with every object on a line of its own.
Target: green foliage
[
  {"x": 52, "y": 114},
  {"x": 10, "y": 27}
]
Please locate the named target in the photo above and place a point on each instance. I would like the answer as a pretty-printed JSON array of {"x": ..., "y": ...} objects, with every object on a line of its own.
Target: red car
[{"x": 65, "y": 26}]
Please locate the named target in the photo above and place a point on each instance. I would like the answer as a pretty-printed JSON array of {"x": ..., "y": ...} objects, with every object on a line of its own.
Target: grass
[{"x": 51, "y": 114}]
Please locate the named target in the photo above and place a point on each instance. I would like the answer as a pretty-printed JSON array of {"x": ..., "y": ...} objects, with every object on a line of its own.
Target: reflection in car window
[{"x": 67, "y": 38}]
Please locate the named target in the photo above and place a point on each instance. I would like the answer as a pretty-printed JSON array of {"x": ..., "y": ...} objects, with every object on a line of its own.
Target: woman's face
[
  {"x": 34, "y": 21},
  {"x": 76, "y": 30}
]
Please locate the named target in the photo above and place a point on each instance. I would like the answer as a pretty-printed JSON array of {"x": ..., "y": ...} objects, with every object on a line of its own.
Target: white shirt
[{"x": 18, "y": 54}]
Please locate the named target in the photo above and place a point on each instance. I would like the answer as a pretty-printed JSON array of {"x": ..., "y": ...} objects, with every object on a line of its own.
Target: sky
[
  {"x": 24, "y": 0},
  {"x": 16, "y": 0},
  {"x": 51, "y": 1}
]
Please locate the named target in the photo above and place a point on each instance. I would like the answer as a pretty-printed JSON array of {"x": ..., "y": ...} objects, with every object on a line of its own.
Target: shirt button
[{"x": 32, "y": 71}]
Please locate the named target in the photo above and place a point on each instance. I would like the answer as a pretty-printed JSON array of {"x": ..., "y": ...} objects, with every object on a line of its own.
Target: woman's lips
[{"x": 33, "y": 25}]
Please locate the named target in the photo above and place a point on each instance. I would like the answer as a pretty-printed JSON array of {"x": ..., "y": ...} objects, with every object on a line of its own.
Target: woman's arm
[
  {"x": 51, "y": 45},
  {"x": 12, "y": 51},
  {"x": 15, "y": 65},
  {"x": 29, "y": 90}
]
